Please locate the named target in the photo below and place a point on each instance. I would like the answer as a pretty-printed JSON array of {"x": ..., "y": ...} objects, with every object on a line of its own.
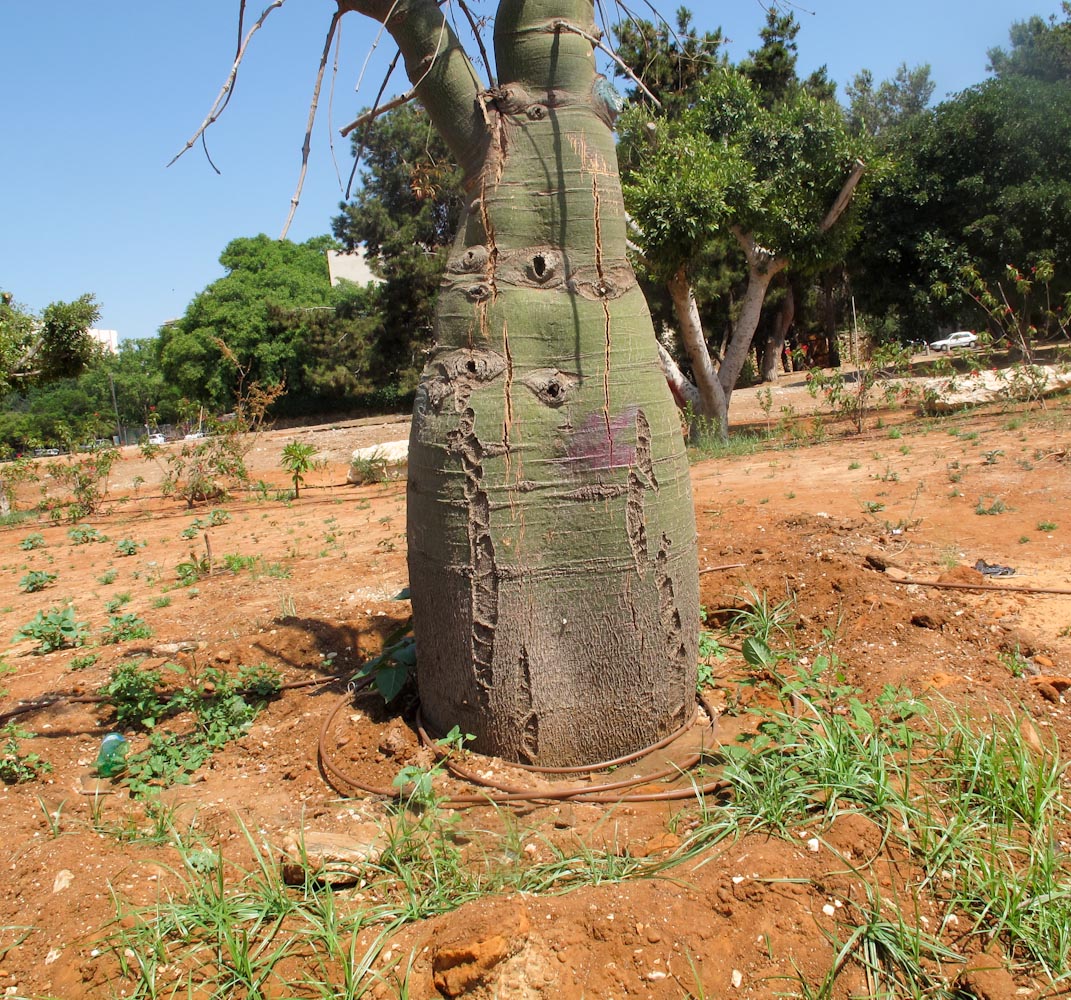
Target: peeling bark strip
[
  {"x": 484, "y": 588},
  {"x": 546, "y": 456}
]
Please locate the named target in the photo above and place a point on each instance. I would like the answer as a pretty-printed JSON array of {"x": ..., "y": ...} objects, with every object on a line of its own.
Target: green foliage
[
  {"x": 851, "y": 395},
  {"x": 17, "y": 767},
  {"x": 283, "y": 323},
  {"x": 127, "y": 546},
  {"x": 81, "y": 662},
  {"x": 214, "y": 519},
  {"x": 971, "y": 185},
  {"x": 217, "y": 704},
  {"x": 406, "y": 212},
  {"x": 41, "y": 350},
  {"x": 369, "y": 469},
  {"x": 36, "y": 580},
  {"x": 58, "y": 629},
  {"x": 123, "y": 628},
  {"x": 84, "y": 482},
  {"x": 85, "y": 536},
  {"x": 393, "y": 667},
  {"x": 297, "y": 461},
  {"x": 32, "y": 541},
  {"x": 134, "y": 692}
]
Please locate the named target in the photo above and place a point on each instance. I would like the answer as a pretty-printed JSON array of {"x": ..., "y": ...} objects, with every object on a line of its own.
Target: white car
[
  {"x": 157, "y": 439},
  {"x": 194, "y": 436},
  {"x": 964, "y": 338}
]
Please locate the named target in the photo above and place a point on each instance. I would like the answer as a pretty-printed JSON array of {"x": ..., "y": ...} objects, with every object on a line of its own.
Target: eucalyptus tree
[{"x": 552, "y": 547}]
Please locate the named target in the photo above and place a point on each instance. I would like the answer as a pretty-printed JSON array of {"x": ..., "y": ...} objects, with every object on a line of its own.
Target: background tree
[
  {"x": 874, "y": 111},
  {"x": 776, "y": 180},
  {"x": 58, "y": 345},
  {"x": 551, "y": 534},
  {"x": 278, "y": 314},
  {"x": 405, "y": 215}
]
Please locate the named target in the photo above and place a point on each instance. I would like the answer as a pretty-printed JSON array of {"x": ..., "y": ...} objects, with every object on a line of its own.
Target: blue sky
[{"x": 97, "y": 97}]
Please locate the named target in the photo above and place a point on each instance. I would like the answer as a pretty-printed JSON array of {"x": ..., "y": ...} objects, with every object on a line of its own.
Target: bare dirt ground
[{"x": 313, "y": 595}]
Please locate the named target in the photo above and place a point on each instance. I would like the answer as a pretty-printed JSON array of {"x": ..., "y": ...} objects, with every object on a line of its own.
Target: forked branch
[{"x": 224, "y": 94}]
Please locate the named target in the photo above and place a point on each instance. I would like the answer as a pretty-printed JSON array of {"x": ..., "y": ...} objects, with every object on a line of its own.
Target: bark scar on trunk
[
  {"x": 672, "y": 626},
  {"x": 483, "y": 586},
  {"x": 641, "y": 477}
]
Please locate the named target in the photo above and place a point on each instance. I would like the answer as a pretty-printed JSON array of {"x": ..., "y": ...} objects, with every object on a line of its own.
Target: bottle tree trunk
[{"x": 552, "y": 544}]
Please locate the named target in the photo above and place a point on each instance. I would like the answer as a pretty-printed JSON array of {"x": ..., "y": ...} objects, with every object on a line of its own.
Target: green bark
[{"x": 552, "y": 545}]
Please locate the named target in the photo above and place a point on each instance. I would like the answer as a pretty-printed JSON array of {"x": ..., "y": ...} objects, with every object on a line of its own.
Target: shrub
[
  {"x": 36, "y": 580},
  {"x": 56, "y": 630}
]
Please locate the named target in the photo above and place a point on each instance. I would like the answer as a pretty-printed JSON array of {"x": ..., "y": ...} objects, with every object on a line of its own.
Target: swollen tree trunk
[{"x": 552, "y": 546}]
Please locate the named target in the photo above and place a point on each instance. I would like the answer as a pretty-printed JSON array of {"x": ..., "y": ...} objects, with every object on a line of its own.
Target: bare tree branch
[
  {"x": 373, "y": 113},
  {"x": 313, "y": 105},
  {"x": 224, "y": 95},
  {"x": 576, "y": 30},
  {"x": 375, "y": 104},
  {"x": 479, "y": 41}
]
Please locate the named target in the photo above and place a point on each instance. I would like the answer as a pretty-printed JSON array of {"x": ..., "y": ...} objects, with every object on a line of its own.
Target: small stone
[
  {"x": 63, "y": 879},
  {"x": 53, "y": 955},
  {"x": 829, "y": 909},
  {"x": 813, "y": 845},
  {"x": 1043, "y": 661},
  {"x": 737, "y": 979},
  {"x": 656, "y": 974}
]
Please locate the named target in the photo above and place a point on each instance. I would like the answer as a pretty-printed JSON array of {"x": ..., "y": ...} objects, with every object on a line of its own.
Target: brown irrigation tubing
[
  {"x": 985, "y": 588},
  {"x": 501, "y": 794}
]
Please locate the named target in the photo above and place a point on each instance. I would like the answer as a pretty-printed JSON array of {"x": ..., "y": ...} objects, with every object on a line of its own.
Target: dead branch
[
  {"x": 224, "y": 95},
  {"x": 479, "y": 41},
  {"x": 373, "y": 113},
  {"x": 625, "y": 68},
  {"x": 313, "y": 105},
  {"x": 364, "y": 138}
]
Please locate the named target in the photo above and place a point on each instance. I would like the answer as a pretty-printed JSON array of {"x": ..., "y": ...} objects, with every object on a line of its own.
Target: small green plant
[
  {"x": 162, "y": 602},
  {"x": 1014, "y": 662},
  {"x": 36, "y": 580},
  {"x": 392, "y": 667},
  {"x": 852, "y": 466},
  {"x": 873, "y": 506},
  {"x": 297, "y": 461},
  {"x": 16, "y": 767},
  {"x": 127, "y": 546},
  {"x": 369, "y": 469},
  {"x": 84, "y": 536},
  {"x": 33, "y": 541},
  {"x": 58, "y": 629},
  {"x": 81, "y": 662},
  {"x": 992, "y": 456},
  {"x": 1046, "y": 526},
  {"x": 261, "y": 681},
  {"x": 123, "y": 628},
  {"x": 113, "y": 605},
  {"x": 997, "y": 506},
  {"x": 134, "y": 693},
  {"x": 895, "y": 433},
  {"x": 108, "y": 576}
]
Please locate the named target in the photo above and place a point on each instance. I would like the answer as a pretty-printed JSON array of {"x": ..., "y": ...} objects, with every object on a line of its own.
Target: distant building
[
  {"x": 108, "y": 339},
  {"x": 350, "y": 267}
]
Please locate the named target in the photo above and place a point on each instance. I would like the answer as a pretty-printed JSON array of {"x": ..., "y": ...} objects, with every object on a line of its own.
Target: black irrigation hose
[{"x": 504, "y": 794}]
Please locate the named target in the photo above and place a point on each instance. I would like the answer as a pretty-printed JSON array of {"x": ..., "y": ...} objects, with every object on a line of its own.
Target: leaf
[
  {"x": 758, "y": 654},
  {"x": 390, "y": 680}
]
